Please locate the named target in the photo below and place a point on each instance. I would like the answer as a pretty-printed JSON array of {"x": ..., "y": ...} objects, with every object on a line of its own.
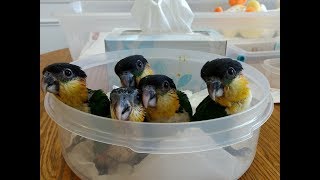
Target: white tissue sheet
[
  {"x": 215, "y": 164},
  {"x": 163, "y": 16}
]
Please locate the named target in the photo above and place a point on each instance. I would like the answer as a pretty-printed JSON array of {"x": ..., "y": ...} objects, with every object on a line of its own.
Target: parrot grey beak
[
  {"x": 122, "y": 110},
  {"x": 49, "y": 83},
  {"x": 215, "y": 89},
  {"x": 149, "y": 97},
  {"x": 127, "y": 79}
]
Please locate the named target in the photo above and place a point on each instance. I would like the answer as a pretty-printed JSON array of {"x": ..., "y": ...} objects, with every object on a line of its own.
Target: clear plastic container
[
  {"x": 192, "y": 150},
  {"x": 83, "y": 18},
  {"x": 272, "y": 71},
  {"x": 254, "y": 52}
]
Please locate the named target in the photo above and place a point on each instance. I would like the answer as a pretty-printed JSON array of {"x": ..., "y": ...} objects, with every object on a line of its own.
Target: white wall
[{"x": 51, "y": 34}]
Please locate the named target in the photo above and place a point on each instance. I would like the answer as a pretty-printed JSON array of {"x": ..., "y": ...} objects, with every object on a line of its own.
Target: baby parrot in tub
[
  {"x": 126, "y": 105},
  {"x": 132, "y": 69},
  {"x": 163, "y": 102},
  {"x": 229, "y": 93},
  {"x": 68, "y": 83}
]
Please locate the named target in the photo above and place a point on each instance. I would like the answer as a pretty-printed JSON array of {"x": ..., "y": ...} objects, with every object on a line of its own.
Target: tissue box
[{"x": 205, "y": 41}]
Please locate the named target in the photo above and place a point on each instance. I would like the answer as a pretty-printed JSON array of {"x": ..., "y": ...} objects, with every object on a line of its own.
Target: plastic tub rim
[{"x": 265, "y": 99}]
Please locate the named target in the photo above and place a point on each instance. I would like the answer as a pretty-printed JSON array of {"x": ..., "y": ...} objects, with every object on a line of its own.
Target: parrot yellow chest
[
  {"x": 137, "y": 114},
  {"x": 237, "y": 96},
  {"x": 75, "y": 94},
  {"x": 147, "y": 71},
  {"x": 167, "y": 106}
]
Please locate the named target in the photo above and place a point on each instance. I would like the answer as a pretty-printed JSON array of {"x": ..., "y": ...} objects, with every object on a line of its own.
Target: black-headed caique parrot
[
  {"x": 68, "y": 83},
  {"x": 163, "y": 102},
  {"x": 126, "y": 105},
  {"x": 229, "y": 93},
  {"x": 132, "y": 69}
]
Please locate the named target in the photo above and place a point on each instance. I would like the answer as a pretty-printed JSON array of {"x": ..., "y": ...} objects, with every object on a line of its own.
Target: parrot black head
[
  {"x": 57, "y": 73},
  {"x": 123, "y": 100},
  {"x": 129, "y": 69},
  {"x": 219, "y": 73},
  {"x": 154, "y": 85}
]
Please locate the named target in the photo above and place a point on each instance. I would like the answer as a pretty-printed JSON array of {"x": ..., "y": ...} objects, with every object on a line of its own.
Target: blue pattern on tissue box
[
  {"x": 160, "y": 68},
  {"x": 182, "y": 81}
]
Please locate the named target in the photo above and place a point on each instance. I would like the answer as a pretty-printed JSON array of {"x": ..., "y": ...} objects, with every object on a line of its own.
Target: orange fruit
[
  {"x": 218, "y": 9},
  {"x": 250, "y": 9},
  {"x": 235, "y": 2}
]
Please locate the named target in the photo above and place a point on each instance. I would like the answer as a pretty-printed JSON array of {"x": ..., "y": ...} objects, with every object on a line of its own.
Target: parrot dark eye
[
  {"x": 166, "y": 85},
  {"x": 68, "y": 72},
  {"x": 231, "y": 71},
  {"x": 139, "y": 64}
]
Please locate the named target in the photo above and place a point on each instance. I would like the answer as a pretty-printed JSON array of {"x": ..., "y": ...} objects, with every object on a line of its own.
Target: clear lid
[{"x": 272, "y": 65}]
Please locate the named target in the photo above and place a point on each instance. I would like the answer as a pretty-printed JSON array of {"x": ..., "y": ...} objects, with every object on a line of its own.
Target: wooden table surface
[{"x": 266, "y": 164}]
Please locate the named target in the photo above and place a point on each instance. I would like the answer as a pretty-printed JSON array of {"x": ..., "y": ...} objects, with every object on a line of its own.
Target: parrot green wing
[
  {"x": 208, "y": 109},
  {"x": 99, "y": 103},
  {"x": 184, "y": 103}
]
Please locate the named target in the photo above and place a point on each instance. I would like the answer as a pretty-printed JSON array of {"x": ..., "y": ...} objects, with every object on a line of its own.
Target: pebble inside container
[{"x": 192, "y": 150}]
